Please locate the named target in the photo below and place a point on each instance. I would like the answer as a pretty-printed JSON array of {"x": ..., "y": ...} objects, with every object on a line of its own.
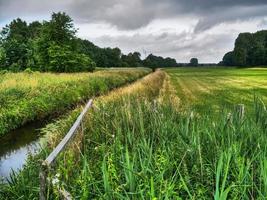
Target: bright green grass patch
[
  {"x": 204, "y": 88},
  {"x": 26, "y": 97}
]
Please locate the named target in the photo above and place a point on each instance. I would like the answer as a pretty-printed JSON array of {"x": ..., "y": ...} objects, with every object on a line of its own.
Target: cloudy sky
[{"x": 182, "y": 29}]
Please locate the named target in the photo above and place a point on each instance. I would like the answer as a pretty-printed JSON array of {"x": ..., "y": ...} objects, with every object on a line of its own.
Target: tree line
[
  {"x": 53, "y": 46},
  {"x": 250, "y": 50}
]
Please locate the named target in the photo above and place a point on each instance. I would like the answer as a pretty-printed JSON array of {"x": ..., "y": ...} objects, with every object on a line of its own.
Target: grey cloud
[
  {"x": 263, "y": 23},
  {"x": 230, "y": 15},
  {"x": 133, "y": 14},
  {"x": 123, "y": 14}
]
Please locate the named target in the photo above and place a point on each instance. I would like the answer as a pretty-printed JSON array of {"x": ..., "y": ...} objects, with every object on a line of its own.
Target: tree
[
  {"x": 228, "y": 59},
  {"x": 114, "y": 57},
  {"x": 34, "y": 29},
  {"x": 153, "y": 62},
  {"x": 250, "y": 50},
  {"x": 170, "y": 62},
  {"x": 2, "y": 58},
  {"x": 240, "y": 57},
  {"x": 63, "y": 59},
  {"x": 16, "y": 30},
  {"x": 132, "y": 59},
  {"x": 58, "y": 31},
  {"x": 14, "y": 41},
  {"x": 257, "y": 55},
  {"x": 57, "y": 48},
  {"x": 194, "y": 62}
]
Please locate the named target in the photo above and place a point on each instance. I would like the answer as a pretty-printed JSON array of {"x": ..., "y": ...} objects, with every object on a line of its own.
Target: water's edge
[{"x": 17, "y": 145}]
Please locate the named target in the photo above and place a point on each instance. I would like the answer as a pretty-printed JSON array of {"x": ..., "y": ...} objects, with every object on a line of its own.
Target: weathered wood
[
  {"x": 65, "y": 194},
  {"x": 43, "y": 182},
  {"x": 241, "y": 111},
  {"x": 50, "y": 159},
  {"x": 60, "y": 147}
]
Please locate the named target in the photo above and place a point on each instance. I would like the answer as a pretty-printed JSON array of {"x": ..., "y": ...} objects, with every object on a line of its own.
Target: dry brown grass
[
  {"x": 147, "y": 86},
  {"x": 168, "y": 93}
]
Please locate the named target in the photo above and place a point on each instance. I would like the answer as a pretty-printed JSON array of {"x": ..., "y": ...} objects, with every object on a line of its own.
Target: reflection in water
[{"x": 16, "y": 146}]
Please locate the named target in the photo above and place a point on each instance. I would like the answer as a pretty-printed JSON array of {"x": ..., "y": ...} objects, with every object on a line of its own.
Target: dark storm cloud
[
  {"x": 133, "y": 14},
  {"x": 231, "y": 14}
]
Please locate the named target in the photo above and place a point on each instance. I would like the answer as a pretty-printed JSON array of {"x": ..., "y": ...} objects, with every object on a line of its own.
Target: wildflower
[{"x": 55, "y": 181}]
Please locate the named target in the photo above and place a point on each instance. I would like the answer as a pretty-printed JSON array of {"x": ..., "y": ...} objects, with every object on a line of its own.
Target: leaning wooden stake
[
  {"x": 65, "y": 195},
  {"x": 241, "y": 111},
  {"x": 43, "y": 181},
  {"x": 60, "y": 147}
]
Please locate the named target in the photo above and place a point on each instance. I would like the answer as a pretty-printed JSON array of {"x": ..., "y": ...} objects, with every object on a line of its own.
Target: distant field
[{"x": 206, "y": 87}]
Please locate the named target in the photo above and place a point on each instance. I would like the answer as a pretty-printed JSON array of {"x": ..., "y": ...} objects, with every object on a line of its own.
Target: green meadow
[{"x": 204, "y": 88}]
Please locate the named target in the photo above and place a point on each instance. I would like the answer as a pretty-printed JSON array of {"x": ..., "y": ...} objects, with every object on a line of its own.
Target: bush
[
  {"x": 28, "y": 71},
  {"x": 4, "y": 71}
]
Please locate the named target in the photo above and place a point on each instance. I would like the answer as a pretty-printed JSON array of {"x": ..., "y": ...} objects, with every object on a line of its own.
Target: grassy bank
[
  {"x": 146, "y": 88},
  {"x": 138, "y": 144},
  {"x": 151, "y": 151},
  {"x": 25, "y": 97}
]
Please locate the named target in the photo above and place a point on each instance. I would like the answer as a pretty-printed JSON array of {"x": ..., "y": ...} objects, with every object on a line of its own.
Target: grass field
[
  {"x": 25, "y": 97},
  {"x": 207, "y": 87},
  {"x": 154, "y": 139}
]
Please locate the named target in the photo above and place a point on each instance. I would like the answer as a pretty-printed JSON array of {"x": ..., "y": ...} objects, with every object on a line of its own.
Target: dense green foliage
[
  {"x": 25, "y": 97},
  {"x": 157, "y": 61},
  {"x": 108, "y": 57},
  {"x": 53, "y": 46},
  {"x": 250, "y": 50},
  {"x": 193, "y": 62},
  {"x": 46, "y": 46}
]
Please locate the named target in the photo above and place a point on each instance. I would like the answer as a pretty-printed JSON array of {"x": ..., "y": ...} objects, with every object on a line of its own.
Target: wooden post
[
  {"x": 65, "y": 194},
  {"x": 43, "y": 181},
  {"x": 241, "y": 111}
]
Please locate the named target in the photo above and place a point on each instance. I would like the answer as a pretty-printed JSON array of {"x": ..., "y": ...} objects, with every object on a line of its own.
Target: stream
[{"x": 16, "y": 146}]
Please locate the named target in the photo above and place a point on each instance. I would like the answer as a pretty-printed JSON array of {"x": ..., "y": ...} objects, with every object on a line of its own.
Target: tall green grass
[
  {"x": 150, "y": 151},
  {"x": 26, "y": 97}
]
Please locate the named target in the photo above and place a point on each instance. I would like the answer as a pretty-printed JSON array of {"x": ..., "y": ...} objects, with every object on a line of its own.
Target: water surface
[{"x": 16, "y": 146}]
